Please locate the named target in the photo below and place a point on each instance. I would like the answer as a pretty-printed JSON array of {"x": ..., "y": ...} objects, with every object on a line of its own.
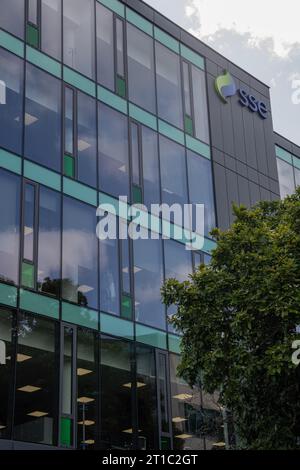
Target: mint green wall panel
[
  {"x": 8, "y": 295},
  {"x": 192, "y": 56},
  {"x": 112, "y": 100},
  {"x": 171, "y": 132},
  {"x": 283, "y": 154},
  {"x": 11, "y": 43},
  {"x": 39, "y": 304},
  {"x": 174, "y": 343},
  {"x": 41, "y": 175},
  {"x": 114, "y": 5},
  {"x": 166, "y": 39},
  {"x": 80, "y": 191},
  {"x": 80, "y": 316},
  {"x": 296, "y": 162},
  {"x": 142, "y": 116},
  {"x": 116, "y": 326},
  {"x": 139, "y": 21},
  {"x": 198, "y": 146},
  {"x": 10, "y": 161},
  {"x": 150, "y": 336},
  {"x": 78, "y": 81},
  {"x": 43, "y": 61}
]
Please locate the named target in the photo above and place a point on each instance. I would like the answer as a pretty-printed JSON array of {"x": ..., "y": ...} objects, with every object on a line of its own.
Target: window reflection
[
  {"x": 6, "y": 369},
  {"x": 105, "y": 47},
  {"x": 86, "y": 139},
  {"x": 286, "y": 178},
  {"x": 150, "y": 167},
  {"x": 36, "y": 407},
  {"x": 12, "y": 16},
  {"x": 109, "y": 277},
  {"x": 200, "y": 104},
  {"x": 51, "y": 27}
]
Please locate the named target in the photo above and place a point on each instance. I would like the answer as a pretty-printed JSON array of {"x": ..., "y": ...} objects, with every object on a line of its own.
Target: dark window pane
[
  {"x": 33, "y": 11},
  {"x": 135, "y": 153},
  {"x": 105, "y": 47},
  {"x": 36, "y": 407},
  {"x": 69, "y": 120},
  {"x": 187, "y": 90},
  {"x": 9, "y": 226},
  {"x": 162, "y": 378},
  {"x": 148, "y": 279},
  {"x": 79, "y": 41},
  {"x": 116, "y": 394},
  {"x": 168, "y": 86},
  {"x": 146, "y": 398},
  {"x": 42, "y": 118},
  {"x": 200, "y": 104},
  {"x": 173, "y": 172},
  {"x": 113, "y": 152},
  {"x": 49, "y": 241},
  {"x": 87, "y": 140},
  {"x": 150, "y": 167},
  {"x": 12, "y": 16},
  {"x": 80, "y": 253},
  {"x": 126, "y": 269},
  {"x": 11, "y": 73},
  {"x": 286, "y": 178},
  {"x": 67, "y": 394},
  {"x": 141, "y": 79},
  {"x": 6, "y": 369},
  {"x": 29, "y": 222},
  {"x": 51, "y": 28},
  {"x": 109, "y": 277},
  {"x": 201, "y": 188},
  {"x": 120, "y": 47},
  {"x": 87, "y": 386}
]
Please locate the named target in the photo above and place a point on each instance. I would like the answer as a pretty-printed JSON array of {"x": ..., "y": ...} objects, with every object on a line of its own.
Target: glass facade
[
  {"x": 288, "y": 166},
  {"x": 98, "y": 105}
]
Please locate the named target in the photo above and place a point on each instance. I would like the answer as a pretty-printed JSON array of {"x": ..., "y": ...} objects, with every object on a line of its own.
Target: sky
[{"x": 263, "y": 38}]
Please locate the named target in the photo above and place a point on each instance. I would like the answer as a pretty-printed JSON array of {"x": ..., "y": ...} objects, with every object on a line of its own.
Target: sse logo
[{"x": 225, "y": 87}]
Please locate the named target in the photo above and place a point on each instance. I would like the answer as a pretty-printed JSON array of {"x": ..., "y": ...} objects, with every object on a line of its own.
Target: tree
[{"x": 238, "y": 317}]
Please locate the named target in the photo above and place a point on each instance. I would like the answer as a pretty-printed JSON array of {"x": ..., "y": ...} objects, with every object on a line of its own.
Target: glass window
[
  {"x": 187, "y": 90},
  {"x": 11, "y": 114},
  {"x": 33, "y": 11},
  {"x": 109, "y": 277},
  {"x": 86, "y": 139},
  {"x": 51, "y": 28},
  {"x": 168, "y": 80},
  {"x": 286, "y": 178},
  {"x": 113, "y": 152},
  {"x": 148, "y": 278},
  {"x": 120, "y": 47},
  {"x": 12, "y": 16},
  {"x": 200, "y": 104},
  {"x": 116, "y": 394},
  {"x": 150, "y": 167},
  {"x": 212, "y": 426},
  {"x": 49, "y": 242},
  {"x": 187, "y": 419},
  {"x": 141, "y": 79},
  {"x": 36, "y": 405},
  {"x": 6, "y": 369},
  {"x": 9, "y": 226},
  {"x": 126, "y": 265},
  {"x": 297, "y": 177},
  {"x": 135, "y": 153},
  {"x": 105, "y": 47},
  {"x": 201, "y": 188},
  {"x": 79, "y": 41},
  {"x": 173, "y": 172},
  {"x": 87, "y": 386},
  {"x": 42, "y": 118},
  {"x": 146, "y": 398},
  {"x": 80, "y": 253},
  {"x": 29, "y": 222},
  {"x": 69, "y": 120}
]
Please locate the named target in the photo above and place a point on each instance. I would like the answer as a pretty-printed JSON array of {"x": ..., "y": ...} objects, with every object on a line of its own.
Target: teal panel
[
  {"x": 80, "y": 191},
  {"x": 120, "y": 208},
  {"x": 42, "y": 175},
  {"x": 112, "y": 100},
  {"x": 11, "y": 43},
  {"x": 10, "y": 162},
  {"x": 171, "y": 132},
  {"x": 142, "y": 116},
  {"x": 209, "y": 245},
  {"x": 116, "y": 326},
  {"x": 166, "y": 40},
  {"x": 80, "y": 82},
  {"x": 192, "y": 56},
  {"x": 115, "y": 6},
  {"x": 8, "y": 295},
  {"x": 198, "y": 147},
  {"x": 43, "y": 61},
  {"x": 40, "y": 304},
  {"x": 296, "y": 162},
  {"x": 139, "y": 21},
  {"x": 80, "y": 316},
  {"x": 283, "y": 154},
  {"x": 150, "y": 336},
  {"x": 174, "y": 343}
]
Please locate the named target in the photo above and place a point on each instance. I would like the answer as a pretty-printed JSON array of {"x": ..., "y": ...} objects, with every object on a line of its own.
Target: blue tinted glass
[
  {"x": 109, "y": 277},
  {"x": 148, "y": 279},
  {"x": 201, "y": 188},
  {"x": 9, "y": 226},
  {"x": 29, "y": 221},
  {"x": 113, "y": 152},
  {"x": 69, "y": 120},
  {"x": 80, "y": 254},
  {"x": 51, "y": 27},
  {"x": 286, "y": 178},
  {"x": 12, "y": 16},
  {"x": 11, "y": 74},
  {"x": 79, "y": 42},
  {"x": 150, "y": 167},
  {"x": 42, "y": 118},
  {"x": 200, "y": 104},
  {"x": 49, "y": 241},
  {"x": 141, "y": 80},
  {"x": 173, "y": 172},
  {"x": 168, "y": 85},
  {"x": 105, "y": 47},
  {"x": 87, "y": 140}
]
